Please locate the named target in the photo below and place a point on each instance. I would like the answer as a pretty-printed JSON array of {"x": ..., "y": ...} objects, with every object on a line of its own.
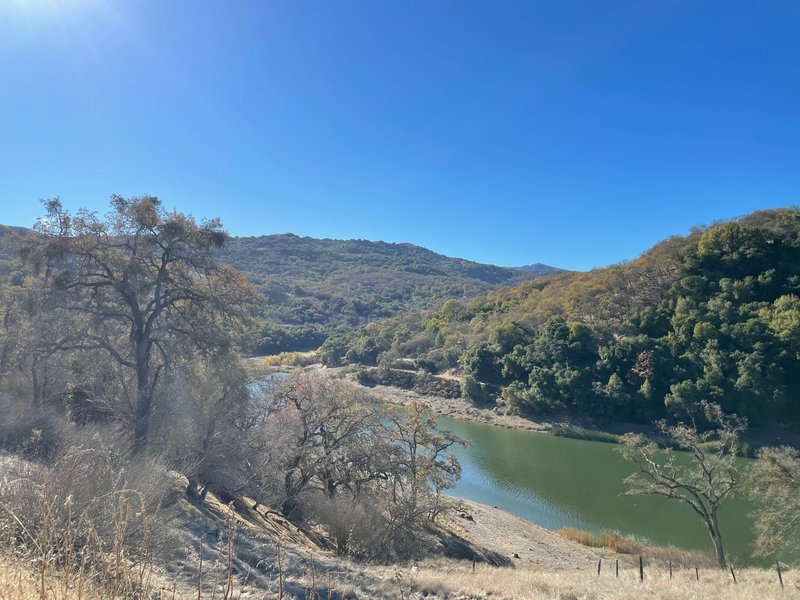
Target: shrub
[
  {"x": 353, "y": 524},
  {"x": 37, "y": 435}
]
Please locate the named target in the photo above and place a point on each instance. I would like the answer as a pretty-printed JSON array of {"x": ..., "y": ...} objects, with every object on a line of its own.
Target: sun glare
[{"x": 50, "y": 7}]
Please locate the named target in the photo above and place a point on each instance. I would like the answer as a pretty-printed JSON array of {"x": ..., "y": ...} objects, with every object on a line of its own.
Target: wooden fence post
[
  {"x": 780, "y": 577},
  {"x": 734, "y": 576},
  {"x": 473, "y": 565},
  {"x": 696, "y": 574},
  {"x": 670, "y": 569},
  {"x": 641, "y": 569},
  {"x": 599, "y": 562},
  {"x": 617, "y": 568}
]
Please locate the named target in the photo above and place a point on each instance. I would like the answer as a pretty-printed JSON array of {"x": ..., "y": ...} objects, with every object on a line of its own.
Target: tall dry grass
[
  {"x": 86, "y": 522},
  {"x": 457, "y": 580},
  {"x": 661, "y": 555}
]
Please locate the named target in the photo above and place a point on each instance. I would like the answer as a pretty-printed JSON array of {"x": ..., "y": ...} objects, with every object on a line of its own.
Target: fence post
[
  {"x": 670, "y": 569},
  {"x": 473, "y": 565},
  {"x": 696, "y": 574},
  {"x": 734, "y": 576},
  {"x": 599, "y": 562},
  {"x": 641, "y": 569},
  {"x": 617, "y": 569},
  {"x": 780, "y": 577}
]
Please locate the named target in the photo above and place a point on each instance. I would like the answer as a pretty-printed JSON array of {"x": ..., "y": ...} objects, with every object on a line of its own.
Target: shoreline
[
  {"x": 464, "y": 409},
  {"x": 524, "y": 543},
  {"x": 454, "y": 408},
  {"x": 458, "y": 408}
]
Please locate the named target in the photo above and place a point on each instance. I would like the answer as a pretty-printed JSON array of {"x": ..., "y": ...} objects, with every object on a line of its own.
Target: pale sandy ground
[{"x": 537, "y": 547}]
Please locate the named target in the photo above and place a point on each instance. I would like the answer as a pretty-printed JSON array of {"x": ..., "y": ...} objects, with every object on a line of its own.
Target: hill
[
  {"x": 315, "y": 287},
  {"x": 714, "y": 315},
  {"x": 539, "y": 268}
]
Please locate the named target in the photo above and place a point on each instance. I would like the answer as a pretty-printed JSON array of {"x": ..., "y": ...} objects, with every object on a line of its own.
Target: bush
[
  {"x": 353, "y": 525},
  {"x": 480, "y": 393},
  {"x": 36, "y": 435},
  {"x": 427, "y": 365}
]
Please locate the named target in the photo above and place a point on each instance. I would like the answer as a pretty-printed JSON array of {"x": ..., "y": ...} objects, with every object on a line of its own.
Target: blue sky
[{"x": 571, "y": 133}]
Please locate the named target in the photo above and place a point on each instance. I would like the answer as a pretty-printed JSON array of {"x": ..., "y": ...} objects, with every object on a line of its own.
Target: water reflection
[{"x": 560, "y": 482}]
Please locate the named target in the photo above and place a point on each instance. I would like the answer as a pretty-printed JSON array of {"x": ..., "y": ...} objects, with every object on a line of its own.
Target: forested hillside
[
  {"x": 315, "y": 287},
  {"x": 714, "y": 315}
]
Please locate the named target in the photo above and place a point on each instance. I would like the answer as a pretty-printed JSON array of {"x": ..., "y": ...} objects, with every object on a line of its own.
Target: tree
[
  {"x": 775, "y": 488},
  {"x": 705, "y": 482},
  {"x": 143, "y": 285},
  {"x": 425, "y": 465},
  {"x": 205, "y": 426},
  {"x": 30, "y": 326},
  {"x": 332, "y": 435}
]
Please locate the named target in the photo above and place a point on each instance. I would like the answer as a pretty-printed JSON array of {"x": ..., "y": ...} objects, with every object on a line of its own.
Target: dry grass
[
  {"x": 617, "y": 543},
  {"x": 83, "y": 523},
  {"x": 609, "y": 540},
  {"x": 657, "y": 555},
  {"x": 19, "y": 580},
  {"x": 55, "y": 566},
  {"x": 456, "y": 580},
  {"x": 579, "y": 536}
]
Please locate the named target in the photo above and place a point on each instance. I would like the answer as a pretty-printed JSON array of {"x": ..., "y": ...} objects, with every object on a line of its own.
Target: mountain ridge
[{"x": 319, "y": 286}]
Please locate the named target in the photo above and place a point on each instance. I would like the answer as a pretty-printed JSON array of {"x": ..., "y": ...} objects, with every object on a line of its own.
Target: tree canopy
[
  {"x": 140, "y": 284},
  {"x": 711, "y": 316}
]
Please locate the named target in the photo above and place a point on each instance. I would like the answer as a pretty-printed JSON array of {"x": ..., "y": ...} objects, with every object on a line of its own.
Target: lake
[{"x": 562, "y": 482}]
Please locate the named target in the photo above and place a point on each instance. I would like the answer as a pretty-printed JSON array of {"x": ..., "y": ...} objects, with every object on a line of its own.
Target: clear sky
[{"x": 571, "y": 133}]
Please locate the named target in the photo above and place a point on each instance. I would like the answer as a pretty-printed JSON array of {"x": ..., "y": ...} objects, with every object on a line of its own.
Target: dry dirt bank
[{"x": 526, "y": 544}]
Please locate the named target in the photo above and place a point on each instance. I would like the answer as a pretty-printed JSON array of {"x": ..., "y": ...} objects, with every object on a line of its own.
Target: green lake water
[{"x": 561, "y": 482}]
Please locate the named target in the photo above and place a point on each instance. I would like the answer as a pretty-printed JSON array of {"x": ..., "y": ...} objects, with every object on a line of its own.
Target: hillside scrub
[
  {"x": 316, "y": 288},
  {"x": 711, "y": 316},
  {"x": 134, "y": 437}
]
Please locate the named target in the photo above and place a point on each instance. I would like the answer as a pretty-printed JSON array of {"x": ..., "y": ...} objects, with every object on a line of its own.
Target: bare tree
[
  {"x": 141, "y": 281},
  {"x": 775, "y": 488},
  {"x": 704, "y": 479}
]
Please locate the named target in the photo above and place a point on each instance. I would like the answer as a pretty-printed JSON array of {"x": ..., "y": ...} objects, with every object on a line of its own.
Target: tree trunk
[
  {"x": 193, "y": 490},
  {"x": 144, "y": 396},
  {"x": 289, "y": 505},
  {"x": 716, "y": 538},
  {"x": 330, "y": 485},
  {"x": 37, "y": 385}
]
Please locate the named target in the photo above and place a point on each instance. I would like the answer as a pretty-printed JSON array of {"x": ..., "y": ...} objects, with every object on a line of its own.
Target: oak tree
[{"x": 143, "y": 285}]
